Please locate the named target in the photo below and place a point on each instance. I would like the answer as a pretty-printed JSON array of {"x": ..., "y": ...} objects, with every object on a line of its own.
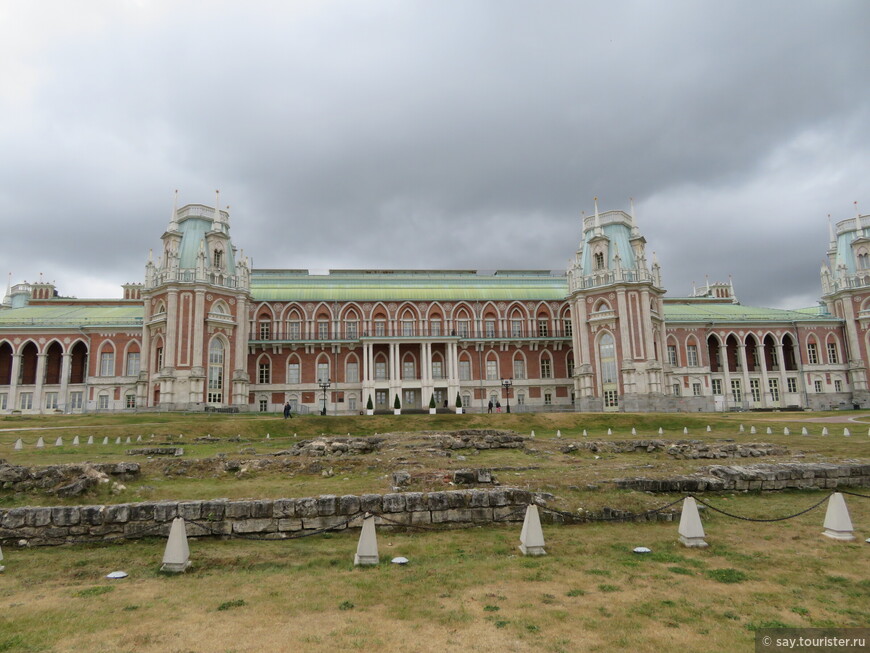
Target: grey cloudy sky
[{"x": 449, "y": 134}]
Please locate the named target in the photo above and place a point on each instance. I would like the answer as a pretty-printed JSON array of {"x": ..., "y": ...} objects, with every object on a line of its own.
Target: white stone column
[
  {"x": 648, "y": 344},
  {"x": 744, "y": 365},
  {"x": 13, "y": 382},
  {"x": 40, "y": 381},
  {"x": 765, "y": 383},
  {"x": 723, "y": 362},
  {"x": 197, "y": 358},
  {"x": 63, "y": 399},
  {"x": 171, "y": 329},
  {"x": 783, "y": 383},
  {"x": 625, "y": 339}
]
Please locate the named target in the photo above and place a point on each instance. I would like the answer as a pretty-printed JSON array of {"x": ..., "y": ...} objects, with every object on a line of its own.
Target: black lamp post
[
  {"x": 506, "y": 384},
  {"x": 324, "y": 385}
]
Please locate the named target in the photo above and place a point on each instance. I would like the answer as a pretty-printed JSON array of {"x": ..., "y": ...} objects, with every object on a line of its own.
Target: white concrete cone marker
[
  {"x": 804, "y": 431},
  {"x": 661, "y": 432},
  {"x": 838, "y": 524},
  {"x": 269, "y": 437},
  {"x": 585, "y": 433},
  {"x": 58, "y": 442},
  {"x": 768, "y": 431},
  {"x": 106, "y": 440},
  {"x": 752, "y": 430},
  {"x": 76, "y": 441},
  {"x": 609, "y": 432},
  {"x": 19, "y": 444},
  {"x": 685, "y": 430},
  {"x": 785, "y": 431},
  {"x": 1, "y": 560},
  {"x": 633, "y": 431},
  {"x": 367, "y": 548},
  {"x": 691, "y": 530},
  {"x": 40, "y": 443},
  {"x": 138, "y": 438},
  {"x": 532, "y": 537},
  {"x": 846, "y": 432},
  {"x": 90, "y": 439},
  {"x": 558, "y": 433},
  {"x": 118, "y": 440},
  {"x": 532, "y": 434},
  {"x": 741, "y": 428},
  {"x": 176, "y": 558},
  {"x": 128, "y": 439},
  {"x": 824, "y": 430},
  {"x": 708, "y": 428}
]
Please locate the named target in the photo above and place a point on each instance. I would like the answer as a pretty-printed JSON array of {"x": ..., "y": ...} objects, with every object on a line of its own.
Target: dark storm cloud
[{"x": 456, "y": 134}]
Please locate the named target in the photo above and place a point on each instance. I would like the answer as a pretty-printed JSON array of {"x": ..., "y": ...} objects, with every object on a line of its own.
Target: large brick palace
[{"x": 205, "y": 330}]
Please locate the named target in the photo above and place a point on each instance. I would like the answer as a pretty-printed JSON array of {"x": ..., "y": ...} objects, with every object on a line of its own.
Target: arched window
[
  {"x": 491, "y": 367},
  {"x": 607, "y": 361},
  {"x": 519, "y": 367},
  {"x": 546, "y": 366},
  {"x": 294, "y": 370},
  {"x": 215, "y": 371},
  {"x": 323, "y": 369},
  {"x": 264, "y": 370},
  {"x": 863, "y": 260},
  {"x": 264, "y": 326},
  {"x": 598, "y": 259},
  {"x": 107, "y": 361},
  {"x": 218, "y": 258}
]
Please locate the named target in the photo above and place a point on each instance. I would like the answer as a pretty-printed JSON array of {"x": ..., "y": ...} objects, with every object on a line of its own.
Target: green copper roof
[
  {"x": 400, "y": 285},
  {"x": 693, "y": 312},
  {"x": 72, "y": 315}
]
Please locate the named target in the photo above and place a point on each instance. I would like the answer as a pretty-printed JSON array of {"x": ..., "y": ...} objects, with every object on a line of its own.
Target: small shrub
[
  {"x": 575, "y": 592},
  {"x": 597, "y": 572},
  {"x": 800, "y": 610},
  {"x": 548, "y": 599},
  {"x": 532, "y": 628},
  {"x": 773, "y": 623},
  {"x": 727, "y": 575},
  {"x": 501, "y": 624},
  {"x": 130, "y": 608},
  {"x": 681, "y": 570},
  {"x": 728, "y": 614},
  {"x": 346, "y": 605},
  {"x": 226, "y": 605},
  {"x": 609, "y": 588},
  {"x": 491, "y": 608}
]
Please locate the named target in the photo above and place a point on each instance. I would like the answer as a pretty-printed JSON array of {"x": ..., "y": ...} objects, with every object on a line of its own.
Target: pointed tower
[
  {"x": 845, "y": 280},
  {"x": 617, "y": 315},
  {"x": 196, "y": 315}
]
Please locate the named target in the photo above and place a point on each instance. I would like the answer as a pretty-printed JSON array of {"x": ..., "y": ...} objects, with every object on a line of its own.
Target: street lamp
[
  {"x": 324, "y": 385},
  {"x": 506, "y": 384}
]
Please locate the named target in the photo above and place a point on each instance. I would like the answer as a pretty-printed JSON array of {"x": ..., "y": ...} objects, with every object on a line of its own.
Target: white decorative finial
[
  {"x": 173, "y": 219},
  {"x": 858, "y": 229}
]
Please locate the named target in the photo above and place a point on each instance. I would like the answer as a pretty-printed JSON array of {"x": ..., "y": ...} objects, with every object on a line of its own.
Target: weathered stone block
[
  {"x": 317, "y": 523},
  {"x": 65, "y": 516},
  {"x": 306, "y": 507},
  {"x": 142, "y": 512},
  {"x": 370, "y": 503},
  {"x": 289, "y": 525},
  {"x": 14, "y": 518},
  {"x": 262, "y": 509},
  {"x": 41, "y": 516},
  {"x": 284, "y": 508},
  {"x": 214, "y": 510},
  {"x": 255, "y": 526},
  {"x": 348, "y": 505},
  {"x": 165, "y": 511},
  {"x": 393, "y": 502},
  {"x": 478, "y": 499},
  {"x": 437, "y": 501},
  {"x": 415, "y": 501},
  {"x": 238, "y": 509},
  {"x": 190, "y": 510},
  {"x": 116, "y": 514},
  {"x": 327, "y": 505}
]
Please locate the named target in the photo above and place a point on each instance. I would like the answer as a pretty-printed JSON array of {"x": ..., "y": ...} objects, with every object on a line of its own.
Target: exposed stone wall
[
  {"x": 481, "y": 439},
  {"x": 763, "y": 476},
  {"x": 265, "y": 518},
  {"x": 693, "y": 449},
  {"x": 63, "y": 480}
]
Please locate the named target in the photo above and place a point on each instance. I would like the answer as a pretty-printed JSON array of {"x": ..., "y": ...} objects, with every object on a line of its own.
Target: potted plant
[
  {"x": 458, "y": 404},
  {"x": 370, "y": 407},
  {"x": 432, "y": 405},
  {"x": 397, "y": 406}
]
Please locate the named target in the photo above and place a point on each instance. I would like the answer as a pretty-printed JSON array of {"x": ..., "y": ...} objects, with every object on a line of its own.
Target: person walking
[
  {"x": 489, "y": 407},
  {"x": 287, "y": 411},
  {"x": 498, "y": 406}
]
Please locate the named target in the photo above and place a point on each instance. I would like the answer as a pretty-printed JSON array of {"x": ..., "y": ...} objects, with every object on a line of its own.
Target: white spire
[
  {"x": 831, "y": 237},
  {"x": 597, "y": 222},
  {"x": 173, "y": 219},
  {"x": 858, "y": 229}
]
